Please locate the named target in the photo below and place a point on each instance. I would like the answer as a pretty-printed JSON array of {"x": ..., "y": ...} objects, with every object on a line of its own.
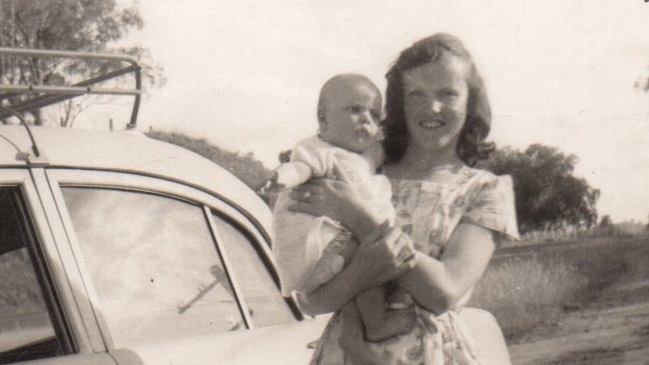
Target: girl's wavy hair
[{"x": 471, "y": 145}]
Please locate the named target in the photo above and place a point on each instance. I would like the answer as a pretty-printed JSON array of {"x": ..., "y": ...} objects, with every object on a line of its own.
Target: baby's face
[{"x": 351, "y": 116}]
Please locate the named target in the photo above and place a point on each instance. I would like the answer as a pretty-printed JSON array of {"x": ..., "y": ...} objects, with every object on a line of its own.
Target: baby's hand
[{"x": 271, "y": 188}]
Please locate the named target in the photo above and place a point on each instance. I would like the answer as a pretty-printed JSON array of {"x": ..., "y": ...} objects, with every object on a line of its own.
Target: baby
[{"x": 309, "y": 251}]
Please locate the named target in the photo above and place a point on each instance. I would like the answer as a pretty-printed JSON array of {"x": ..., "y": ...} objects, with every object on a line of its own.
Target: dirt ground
[
  {"x": 614, "y": 336},
  {"x": 614, "y": 329}
]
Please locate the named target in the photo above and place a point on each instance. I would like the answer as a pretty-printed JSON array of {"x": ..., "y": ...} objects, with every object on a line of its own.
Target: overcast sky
[{"x": 245, "y": 74}]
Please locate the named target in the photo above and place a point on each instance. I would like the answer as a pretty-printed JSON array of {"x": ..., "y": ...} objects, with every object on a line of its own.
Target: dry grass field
[{"x": 572, "y": 302}]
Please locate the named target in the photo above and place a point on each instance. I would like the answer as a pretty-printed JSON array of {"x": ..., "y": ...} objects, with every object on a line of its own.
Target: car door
[{"x": 175, "y": 274}]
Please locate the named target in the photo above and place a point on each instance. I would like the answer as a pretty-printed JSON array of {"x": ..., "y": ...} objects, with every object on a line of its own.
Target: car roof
[{"x": 128, "y": 151}]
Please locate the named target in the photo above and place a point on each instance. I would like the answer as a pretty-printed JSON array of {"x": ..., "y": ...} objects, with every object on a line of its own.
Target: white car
[{"x": 119, "y": 249}]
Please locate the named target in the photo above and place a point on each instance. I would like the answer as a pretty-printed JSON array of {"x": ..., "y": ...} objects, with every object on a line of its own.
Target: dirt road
[{"x": 618, "y": 335}]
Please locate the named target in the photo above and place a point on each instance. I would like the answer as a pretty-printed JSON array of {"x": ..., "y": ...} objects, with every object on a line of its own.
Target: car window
[
  {"x": 265, "y": 304},
  {"x": 26, "y": 330},
  {"x": 155, "y": 268}
]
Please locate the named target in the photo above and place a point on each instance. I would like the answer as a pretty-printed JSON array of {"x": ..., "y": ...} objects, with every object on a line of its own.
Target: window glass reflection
[
  {"x": 261, "y": 294},
  {"x": 153, "y": 264}
]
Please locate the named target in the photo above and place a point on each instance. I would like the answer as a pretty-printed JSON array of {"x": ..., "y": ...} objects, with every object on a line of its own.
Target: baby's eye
[
  {"x": 414, "y": 94},
  {"x": 355, "y": 109},
  {"x": 449, "y": 93}
]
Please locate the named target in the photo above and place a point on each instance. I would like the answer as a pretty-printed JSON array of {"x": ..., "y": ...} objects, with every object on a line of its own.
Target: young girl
[
  {"x": 438, "y": 118},
  {"x": 310, "y": 250}
]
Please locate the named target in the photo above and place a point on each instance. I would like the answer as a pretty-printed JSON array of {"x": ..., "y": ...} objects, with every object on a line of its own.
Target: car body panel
[{"x": 284, "y": 344}]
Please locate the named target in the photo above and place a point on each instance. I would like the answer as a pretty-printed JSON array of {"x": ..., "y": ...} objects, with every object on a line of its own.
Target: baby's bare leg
[{"x": 380, "y": 323}]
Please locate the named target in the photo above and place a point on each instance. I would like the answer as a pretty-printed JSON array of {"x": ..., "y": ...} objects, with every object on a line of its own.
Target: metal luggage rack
[{"x": 39, "y": 96}]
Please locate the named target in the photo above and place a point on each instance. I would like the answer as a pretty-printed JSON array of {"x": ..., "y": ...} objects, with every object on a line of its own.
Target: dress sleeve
[
  {"x": 308, "y": 152},
  {"x": 492, "y": 207}
]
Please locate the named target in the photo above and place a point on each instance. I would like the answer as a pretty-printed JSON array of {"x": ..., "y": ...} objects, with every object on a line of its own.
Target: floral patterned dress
[{"x": 429, "y": 212}]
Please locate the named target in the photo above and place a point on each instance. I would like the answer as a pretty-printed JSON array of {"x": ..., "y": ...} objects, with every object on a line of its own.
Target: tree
[
  {"x": 547, "y": 193},
  {"x": 606, "y": 221},
  {"x": 73, "y": 25}
]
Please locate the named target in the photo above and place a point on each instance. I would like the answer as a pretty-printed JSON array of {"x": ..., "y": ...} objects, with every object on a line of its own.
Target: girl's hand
[
  {"x": 337, "y": 199},
  {"x": 384, "y": 255}
]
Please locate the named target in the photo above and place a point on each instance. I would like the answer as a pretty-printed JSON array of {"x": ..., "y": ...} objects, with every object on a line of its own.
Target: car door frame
[{"x": 77, "y": 335}]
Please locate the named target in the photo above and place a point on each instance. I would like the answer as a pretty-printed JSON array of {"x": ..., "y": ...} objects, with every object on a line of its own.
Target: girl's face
[{"x": 435, "y": 103}]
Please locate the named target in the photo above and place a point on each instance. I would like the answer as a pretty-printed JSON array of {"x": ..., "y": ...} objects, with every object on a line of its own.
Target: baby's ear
[{"x": 321, "y": 117}]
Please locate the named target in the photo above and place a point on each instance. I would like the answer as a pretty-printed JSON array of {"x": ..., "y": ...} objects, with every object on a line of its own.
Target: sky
[{"x": 245, "y": 75}]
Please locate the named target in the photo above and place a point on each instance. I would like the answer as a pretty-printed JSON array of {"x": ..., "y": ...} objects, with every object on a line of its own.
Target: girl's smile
[{"x": 431, "y": 124}]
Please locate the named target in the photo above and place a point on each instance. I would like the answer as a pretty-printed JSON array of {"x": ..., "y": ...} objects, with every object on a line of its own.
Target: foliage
[
  {"x": 547, "y": 193},
  {"x": 73, "y": 25},
  {"x": 245, "y": 167},
  {"x": 606, "y": 221}
]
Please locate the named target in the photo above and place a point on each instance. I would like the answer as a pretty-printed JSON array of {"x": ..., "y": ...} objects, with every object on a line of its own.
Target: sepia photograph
[{"x": 324, "y": 182}]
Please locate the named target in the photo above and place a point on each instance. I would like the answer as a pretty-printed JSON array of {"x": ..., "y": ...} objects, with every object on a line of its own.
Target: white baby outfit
[{"x": 300, "y": 240}]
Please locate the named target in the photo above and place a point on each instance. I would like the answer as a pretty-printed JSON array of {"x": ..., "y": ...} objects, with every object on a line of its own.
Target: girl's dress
[{"x": 429, "y": 212}]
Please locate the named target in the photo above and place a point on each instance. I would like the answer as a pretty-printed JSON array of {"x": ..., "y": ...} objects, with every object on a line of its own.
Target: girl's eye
[{"x": 415, "y": 97}]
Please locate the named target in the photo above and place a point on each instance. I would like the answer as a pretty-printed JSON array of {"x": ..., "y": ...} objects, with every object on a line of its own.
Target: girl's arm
[
  {"x": 438, "y": 285},
  {"x": 374, "y": 263},
  {"x": 435, "y": 284}
]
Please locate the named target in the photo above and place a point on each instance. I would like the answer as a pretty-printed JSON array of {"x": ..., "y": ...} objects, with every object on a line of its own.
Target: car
[{"x": 116, "y": 248}]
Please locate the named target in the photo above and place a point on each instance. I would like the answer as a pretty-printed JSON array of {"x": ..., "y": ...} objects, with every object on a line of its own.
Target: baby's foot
[{"x": 395, "y": 323}]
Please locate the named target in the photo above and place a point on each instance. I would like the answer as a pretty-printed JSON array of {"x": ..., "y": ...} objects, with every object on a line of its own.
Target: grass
[
  {"x": 522, "y": 292},
  {"x": 527, "y": 286}
]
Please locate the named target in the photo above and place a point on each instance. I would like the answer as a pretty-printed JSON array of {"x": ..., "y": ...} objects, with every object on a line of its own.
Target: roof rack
[{"x": 40, "y": 96}]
